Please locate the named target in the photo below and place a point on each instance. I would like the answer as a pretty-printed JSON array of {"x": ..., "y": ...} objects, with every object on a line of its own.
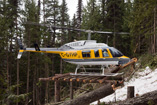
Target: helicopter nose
[{"x": 124, "y": 61}]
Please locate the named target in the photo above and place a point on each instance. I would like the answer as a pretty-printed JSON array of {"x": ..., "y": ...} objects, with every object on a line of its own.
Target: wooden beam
[
  {"x": 73, "y": 79},
  {"x": 95, "y": 80},
  {"x": 80, "y": 79},
  {"x": 67, "y": 78},
  {"x": 86, "y": 80},
  {"x": 71, "y": 89},
  {"x": 62, "y": 78},
  {"x": 59, "y": 76},
  {"x": 118, "y": 69},
  {"x": 115, "y": 78},
  {"x": 45, "y": 79},
  {"x": 57, "y": 91}
]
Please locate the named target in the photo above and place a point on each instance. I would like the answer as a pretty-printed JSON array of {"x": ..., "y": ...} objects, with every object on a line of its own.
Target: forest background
[{"x": 19, "y": 82}]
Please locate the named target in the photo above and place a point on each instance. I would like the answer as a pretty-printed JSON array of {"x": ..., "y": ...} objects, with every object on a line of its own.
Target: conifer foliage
[{"x": 19, "y": 78}]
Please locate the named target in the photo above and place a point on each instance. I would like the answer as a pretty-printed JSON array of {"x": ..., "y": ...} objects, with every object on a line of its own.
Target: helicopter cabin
[{"x": 89, "y": 52}]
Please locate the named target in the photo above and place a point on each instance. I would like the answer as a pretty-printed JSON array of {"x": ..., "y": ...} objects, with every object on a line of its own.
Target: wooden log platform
[
  {"x": 90, "y": 78},
  {"x": 83, "y": 79}
]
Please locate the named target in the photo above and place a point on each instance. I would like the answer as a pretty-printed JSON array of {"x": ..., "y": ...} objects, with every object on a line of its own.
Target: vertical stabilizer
[{"x": 21, "y": 49}]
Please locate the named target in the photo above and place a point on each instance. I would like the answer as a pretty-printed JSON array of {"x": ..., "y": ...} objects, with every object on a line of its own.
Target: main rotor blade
[
  {"x": 75, "y": 29},
  {"x": 106, "y": 32}
]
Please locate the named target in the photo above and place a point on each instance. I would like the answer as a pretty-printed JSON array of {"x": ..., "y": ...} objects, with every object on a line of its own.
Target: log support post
[
  {"x": 132, "y": 67},
  {"x": 57, "y": 91},
  {"x": 71, "y": 89},
  {"x": 130, "y": 92}
]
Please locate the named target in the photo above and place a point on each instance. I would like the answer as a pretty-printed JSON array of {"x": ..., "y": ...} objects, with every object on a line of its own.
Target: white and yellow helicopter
[{"x": 84, "y": 52}]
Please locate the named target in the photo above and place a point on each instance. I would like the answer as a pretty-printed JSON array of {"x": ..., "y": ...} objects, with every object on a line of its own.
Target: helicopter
[{"x": 83, "y": 52}]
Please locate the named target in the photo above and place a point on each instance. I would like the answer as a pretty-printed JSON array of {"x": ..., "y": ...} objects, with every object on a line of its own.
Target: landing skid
[{"x": 95, "y": 74}]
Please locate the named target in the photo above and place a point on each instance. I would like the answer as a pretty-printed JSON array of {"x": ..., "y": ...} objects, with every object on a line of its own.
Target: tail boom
[{"x": 42, "y": 50}]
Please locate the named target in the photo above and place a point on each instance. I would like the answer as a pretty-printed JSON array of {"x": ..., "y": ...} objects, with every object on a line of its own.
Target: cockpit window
[
  {"x": 115, "y": 52},
  {"x": 105, "y": 53}
]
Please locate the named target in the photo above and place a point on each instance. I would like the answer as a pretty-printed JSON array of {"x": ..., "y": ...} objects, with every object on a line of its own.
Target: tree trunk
[
  {"x": 7, "y": 69},
  {"x": 146, "y": 99},
  {"x": 114, "y": 28},
  {"x": 17, "y": 78},
  {"x": 37, "y": 87},
  {"x": 79, "y": 15},
  {"x": 61, "y": 66},
  {"x": 28, "y": 69},
  {"x": 91, "y": 96},
  {"x": 47, "y": 84},
  {"x": 154, "y": 45}
]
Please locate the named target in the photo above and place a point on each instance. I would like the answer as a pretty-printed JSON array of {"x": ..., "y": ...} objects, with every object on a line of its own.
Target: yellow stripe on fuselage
[
  {"x": 76, "y": 54},
  {"x": 54, "y": 52}
]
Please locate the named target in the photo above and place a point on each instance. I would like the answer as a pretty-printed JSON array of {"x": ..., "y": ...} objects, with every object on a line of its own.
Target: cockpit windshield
[{"x": 115, "y": 52}]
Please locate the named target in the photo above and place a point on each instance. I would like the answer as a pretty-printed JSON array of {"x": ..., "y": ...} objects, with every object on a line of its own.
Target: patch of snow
[{"x": 145, "y": 82}]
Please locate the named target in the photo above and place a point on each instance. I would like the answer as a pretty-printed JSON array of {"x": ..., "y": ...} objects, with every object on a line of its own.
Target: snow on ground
[{"x": 145, "y": 81}]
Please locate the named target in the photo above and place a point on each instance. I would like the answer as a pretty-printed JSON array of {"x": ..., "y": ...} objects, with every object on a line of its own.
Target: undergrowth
[{"x": 148, "y": 60}]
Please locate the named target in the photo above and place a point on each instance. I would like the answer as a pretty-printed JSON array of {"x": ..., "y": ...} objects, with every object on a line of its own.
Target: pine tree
[
  {"x": 73, "y": 34},
  {"x": 91, "y": 17},
  {"x": 142, "y": 26},
  {"x": 51, "y": 16},
  {"x": 115, "y": 12},
  {"x": 79, "y": 16},
  {"x": 31, "y": 36},
  {"x": 9, "y": 30},
  {"x": 64, "y": 18},
  {"x": 125, "y": 40}
]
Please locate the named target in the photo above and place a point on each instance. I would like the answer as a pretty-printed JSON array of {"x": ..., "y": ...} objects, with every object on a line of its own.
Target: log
[
  {"x": 57, "y": 91},
  {"x": 88, "y": 79},
  {"x": 91, "y": 96},
  {"x": 71, "y": 90},
  {"x": 146, "y": 99},
  {"x": 59, "y": 76},
  {"x": 115, "y": 70},
  {"x": 130, "y": 92},
  {"x": 45, "y": 79}
]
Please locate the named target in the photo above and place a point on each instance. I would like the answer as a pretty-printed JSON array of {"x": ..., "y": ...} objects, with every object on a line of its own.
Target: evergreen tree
[
  {"x": 51, "y": 16},
  {"x": 73, "y": 34},
  {"x": 91, "y": 18},
  {"x": 64, "y": 18},
  {"x": 79, "y": 16},
  {"x": 31, "y": 36},
  {"x": 115, "y": 12},
  {"x": 142, "y": 26}
]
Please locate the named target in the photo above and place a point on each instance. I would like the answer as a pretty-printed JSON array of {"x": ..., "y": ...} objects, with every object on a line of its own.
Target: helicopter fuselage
[{"x": 86, "y": 52}]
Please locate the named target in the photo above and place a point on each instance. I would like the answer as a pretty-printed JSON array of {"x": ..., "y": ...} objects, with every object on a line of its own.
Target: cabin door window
[
  {"x": 96, "y": 52},
  {"x": 105, "y": 53},
  {"x": 86, "y": 54}
]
